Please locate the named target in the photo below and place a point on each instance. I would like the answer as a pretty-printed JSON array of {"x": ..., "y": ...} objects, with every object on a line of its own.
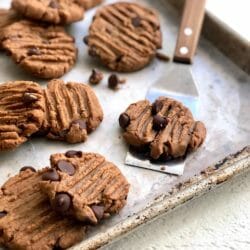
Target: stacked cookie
[
  {"x": 31, "y": 35},
  {"x": 82, "y": 188},
  {"x": 67, "y": 112}
]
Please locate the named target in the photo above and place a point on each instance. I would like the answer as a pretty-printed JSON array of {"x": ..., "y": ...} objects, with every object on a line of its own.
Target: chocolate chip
[
  {"x": 29, "y": 98},
  {"x": 136, "y": 21},
  {"x": 86, "y": 40},
  {"x": 95, "y": 77},
  {"x": 33, "y": 51},
  {"x": 124, "y": 120},
  {"x": 159, "y": 122},
  {"x": 2, "y": 214},
  {"x": 54, "y": 4},
  {"x": 66, "y": 167},
  {"x": 156, "y": 107},
  {"x": 73, "y": 153},
  {"x": 82, "y": 123},
  {"x": 113, "y": 81},
  {"x": 51, "y": 175},
  {"x": 26, "y": 168},
  {"x": 98, "y": 211},
  {"x": 62, "y": 202}
]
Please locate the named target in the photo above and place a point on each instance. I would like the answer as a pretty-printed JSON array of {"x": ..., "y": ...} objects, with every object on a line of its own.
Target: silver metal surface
[{"x": 224, "y": 91}]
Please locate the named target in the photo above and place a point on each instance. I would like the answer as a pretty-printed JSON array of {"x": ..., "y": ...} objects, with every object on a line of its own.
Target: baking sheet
[{"x": 224, "y": 108}]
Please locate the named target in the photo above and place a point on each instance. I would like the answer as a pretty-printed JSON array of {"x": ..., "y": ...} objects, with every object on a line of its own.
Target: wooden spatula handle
[{"x": 189, "y": 33}]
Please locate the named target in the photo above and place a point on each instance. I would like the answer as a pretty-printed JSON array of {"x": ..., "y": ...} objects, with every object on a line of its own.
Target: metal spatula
[{"x": 177, "y": 81}]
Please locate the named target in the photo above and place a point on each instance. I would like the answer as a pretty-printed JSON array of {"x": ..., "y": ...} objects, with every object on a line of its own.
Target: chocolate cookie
[
  {"x": 85, "y": 185},
  {"x": 72, "y": 111},
  {"x": 27, "y": 221},
  {"x": 22, "y": 112},
  {"x": 124, "y": 36},
  {"x": 52, "y": 11},
  {"x": 166, "y": 128},
  {"x": 44, "y": 51},
  {"x": 88, "y": 4}
]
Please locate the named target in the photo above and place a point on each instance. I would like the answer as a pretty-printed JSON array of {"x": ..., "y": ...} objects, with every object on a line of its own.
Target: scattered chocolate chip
[
  {"x": 95, "y": 77},
  {"x": 29, "y": 98},
  {"x": 124, "y": 120},
  {"x": 51, "y": 175},
  {"x": 163, "y": 168},
  {"x": 86, "y": 40},
  {"x": 73, "y": 153},
  {"x": 62, "y": 202},
  {"x": 156, "y": 107},
  {"x": 159, "y": 122},
  {"x": 2, "y": 214},
  {"x": 162, "y": 57},
  {"x": 66, "y": 167},
  {"x": 136, "y": 21},
  {"x": 98, "y": 211},
  {"x": 26, "y": 168},
  {"x": 54, "y": 4},
  {"x": 113, "y": 81},
  {"x": 82, "y": 123},
  {"x": 33, "y": 51}
]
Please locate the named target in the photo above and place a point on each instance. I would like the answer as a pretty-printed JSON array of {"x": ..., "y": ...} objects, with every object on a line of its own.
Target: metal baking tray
[{"x": 224, "y": 107}]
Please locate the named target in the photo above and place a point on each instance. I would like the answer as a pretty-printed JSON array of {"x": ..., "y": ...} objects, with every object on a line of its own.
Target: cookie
[
  {"x": 124, "y": 36},
  {"x": 164, "y": 130},
  {"x": 43, "y": 51},
  {"x": 85, "y": 185},
  {"x": 52, "y": 11},
  {"x": 7, "y": 17},
  {"x": 27, "y": 221},
  {"x": 88, "y": 4},
  {"x": 72, "y": 111},
  {"x": 22, "y": 112}
]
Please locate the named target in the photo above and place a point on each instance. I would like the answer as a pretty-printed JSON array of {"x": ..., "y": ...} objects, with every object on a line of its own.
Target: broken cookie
[
  {"x": 72, "y": 111},
  {"x": 85, "y": 186}
]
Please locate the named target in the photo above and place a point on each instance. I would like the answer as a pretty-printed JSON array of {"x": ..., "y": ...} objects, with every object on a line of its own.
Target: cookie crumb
[
  {"x": 163, "y": 168},
  {"x": 162, "y": 57},
  {"x": 96, "y": 77}
]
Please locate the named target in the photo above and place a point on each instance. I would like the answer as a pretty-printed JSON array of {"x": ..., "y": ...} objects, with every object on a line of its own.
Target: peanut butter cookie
[
  {"x": 124, "y": 36},
  {"x": 85, "y": 185}
]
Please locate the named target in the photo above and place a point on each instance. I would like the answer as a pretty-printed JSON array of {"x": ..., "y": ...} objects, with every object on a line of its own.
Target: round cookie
[
  {"x": 164, "y": 130},
  {"x": 72, "y": 111},
  {"x": 124, "y": 36},
  {"x": 85, "y": 186},
  {"x": 22, "y": 112},
  {"x": 43, "y": 51},
  {"x": 52, "y": 11}
]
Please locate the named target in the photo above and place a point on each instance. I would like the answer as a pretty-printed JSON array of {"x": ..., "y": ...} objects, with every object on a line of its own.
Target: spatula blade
[{"x": 177, "y": 83}]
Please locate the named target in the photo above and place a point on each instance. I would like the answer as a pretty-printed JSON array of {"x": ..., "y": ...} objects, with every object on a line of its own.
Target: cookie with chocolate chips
[
  {"x": 27, "y": 220},
  {"x": 124, "y": 36},
  {"x": 72, "y": 111},
  {"x": 166, "y": 128},
  {"x": 52, "y": 11},
  {"x": 43, "y": 51},
  {"x": 22, "y": 112},
  {"x": 87, "y": 186}
]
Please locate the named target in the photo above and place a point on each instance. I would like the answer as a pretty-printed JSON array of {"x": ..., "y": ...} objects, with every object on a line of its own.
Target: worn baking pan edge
[
  {"x": 224, "y": 38},
  {"x": 209, "y": 179}
]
